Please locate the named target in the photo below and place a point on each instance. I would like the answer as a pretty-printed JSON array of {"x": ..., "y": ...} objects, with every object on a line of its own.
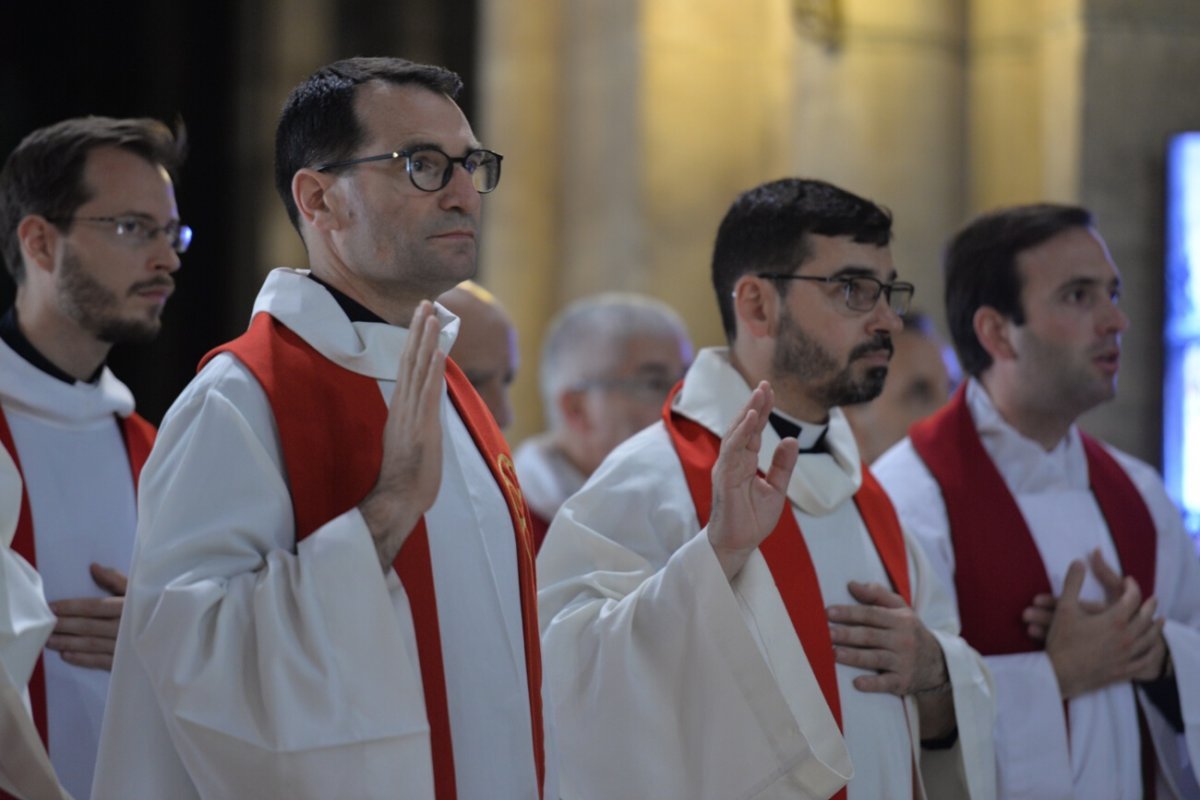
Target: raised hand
[
  {"x": 746, "y": 506},
  {"x": 411, "y": 471},
  {"x": 1091, "y": 649},
  {"x": 86, "y": 632}
]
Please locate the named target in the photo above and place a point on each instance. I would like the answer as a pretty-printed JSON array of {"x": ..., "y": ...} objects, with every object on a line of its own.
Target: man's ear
[
  {"x": 756, "y": 306},
  {"x": 39, "y": 241},
  {"x": 993, "y": 330},
  {"x": 317, "y": 204},
  {"x": 572, "y": 408}
]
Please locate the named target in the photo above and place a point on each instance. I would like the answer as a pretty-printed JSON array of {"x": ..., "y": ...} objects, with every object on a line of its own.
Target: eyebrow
[
  {"x": 856, "y": 271},
  {"x": 1088, "y": 282},
  {"x": 144, "y": 215},
  {"x": 426, "y": 145}
]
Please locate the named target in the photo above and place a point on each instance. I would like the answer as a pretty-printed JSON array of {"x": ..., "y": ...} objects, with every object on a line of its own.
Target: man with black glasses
[
  {"x": 91, "y": 236},
  {"x": 333, "y": 594},
  {"x": 743, "y": 616}
]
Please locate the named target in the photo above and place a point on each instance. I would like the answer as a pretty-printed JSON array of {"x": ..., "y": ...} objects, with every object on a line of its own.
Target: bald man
[{"x": 486, "y": 347}]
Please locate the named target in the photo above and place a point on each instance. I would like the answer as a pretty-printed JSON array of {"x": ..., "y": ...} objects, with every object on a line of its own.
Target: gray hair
[{"x": 586, "y": 340}]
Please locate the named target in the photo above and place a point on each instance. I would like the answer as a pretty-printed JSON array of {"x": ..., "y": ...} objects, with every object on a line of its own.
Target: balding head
[{"x": 486, "y": 347}]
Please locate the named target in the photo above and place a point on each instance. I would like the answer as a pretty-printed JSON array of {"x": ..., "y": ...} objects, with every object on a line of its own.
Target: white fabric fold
[
  {"x": 1037, "y": 756},
  {"x": 249, "y": 666},
  {"x": 700, "y": 687}
]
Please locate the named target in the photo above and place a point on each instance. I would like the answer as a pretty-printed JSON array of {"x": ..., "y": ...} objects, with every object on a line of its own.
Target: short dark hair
[
  {"x": 980, "y": 268},
  {"x": 319, "y": 124},
  {"x": 44, "y": 174},
  {"x": 767, "y": 228}
]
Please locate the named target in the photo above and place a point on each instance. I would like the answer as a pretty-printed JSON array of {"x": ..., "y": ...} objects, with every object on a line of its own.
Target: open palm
[{"x": 746, "y": 506}]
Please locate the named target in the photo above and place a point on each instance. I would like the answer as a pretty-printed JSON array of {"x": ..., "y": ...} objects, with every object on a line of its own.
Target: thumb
[
  {"x": 109, "y": 579},
  {"x": 1072, "y": 583}
]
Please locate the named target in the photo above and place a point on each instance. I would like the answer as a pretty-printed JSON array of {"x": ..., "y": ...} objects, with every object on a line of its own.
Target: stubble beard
[
  {"x": 801, "y": 361},
  {"x": 95, "y": 308}
]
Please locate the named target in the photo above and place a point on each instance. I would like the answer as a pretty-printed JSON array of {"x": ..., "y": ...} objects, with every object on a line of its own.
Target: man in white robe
[
  {"x": 91, "y": 236},
  {"x": 607, "y": 364},
  {"x": 332, "y": 594},
  {"x": 25, "y": 622},
  {"x": 694, "y": 660},
  {"x": 1032, "y": 302}
]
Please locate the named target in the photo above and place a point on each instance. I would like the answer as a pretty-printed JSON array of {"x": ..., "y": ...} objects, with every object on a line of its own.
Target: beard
[
  {"x": 96, "y": 309},
  {"x": 802, "y": 361}
]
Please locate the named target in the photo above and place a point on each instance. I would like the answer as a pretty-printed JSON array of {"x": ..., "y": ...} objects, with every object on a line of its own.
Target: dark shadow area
[{"x": 180, "y": 60}]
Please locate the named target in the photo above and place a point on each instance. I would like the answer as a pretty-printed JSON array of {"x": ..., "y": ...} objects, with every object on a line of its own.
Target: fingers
[
  {"x": 1109, "y": 578},
  {"x": 1037, "y": 622},
  {"x": 875, "y": 594},
  {"x": 1044, "y": 601},
  {"x": 1072, "y": 583},
  {"x": 87, "y": 640},
  {"x": 109, "y": 579},
  {"x": 97, "y": 607},
  {"x": 1130, "y": 601},
  {"x": 753, "y": 417},
  {"x": 782, "y": 464}
]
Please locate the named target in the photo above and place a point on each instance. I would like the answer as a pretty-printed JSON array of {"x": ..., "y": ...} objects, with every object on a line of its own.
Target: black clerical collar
[
  {"x": 353, "y": 309},
  {"x": 10, "y": 332},
  {"x": 786, "y": 427}
]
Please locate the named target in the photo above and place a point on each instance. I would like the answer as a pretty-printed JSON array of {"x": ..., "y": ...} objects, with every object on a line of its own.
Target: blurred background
[{"x": 628, "y": 126}]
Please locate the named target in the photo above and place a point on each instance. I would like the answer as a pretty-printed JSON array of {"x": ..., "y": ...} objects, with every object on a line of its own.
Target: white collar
[
  {"x": 1026, "y": 466},
  {"x": 714, "y": 392},
  {"x": 368, "y": 348},
  {"x": 29, "y": 390}
]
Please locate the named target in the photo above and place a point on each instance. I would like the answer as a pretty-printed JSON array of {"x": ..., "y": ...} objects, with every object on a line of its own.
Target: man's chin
[{"x": 129, "y": 331}]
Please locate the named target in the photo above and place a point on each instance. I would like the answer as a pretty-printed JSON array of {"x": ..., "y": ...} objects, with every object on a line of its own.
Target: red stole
[
  {"x": 138, "y": 435},
  {"x": 787, "y": 555},
  {"x": 997, "y": 566},
  {"x": 330, "y": 423},
  {"x": 998, "y": 543}
]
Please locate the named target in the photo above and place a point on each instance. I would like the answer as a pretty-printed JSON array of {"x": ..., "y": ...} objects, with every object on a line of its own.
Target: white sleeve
[
  {"x": 275, "y": 670},
  {"x": 658, "y": 686}
]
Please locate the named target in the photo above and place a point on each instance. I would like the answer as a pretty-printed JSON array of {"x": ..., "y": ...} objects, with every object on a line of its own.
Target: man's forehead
[
  {"x": 396, "y": 115},
  {"x": 1076, "y": 254},
  {"x": 834, "y": 254},
  {"x": 117, "y": 175}
]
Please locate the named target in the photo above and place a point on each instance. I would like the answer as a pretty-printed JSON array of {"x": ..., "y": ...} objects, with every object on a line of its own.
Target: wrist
[{"x": 731, "y": 560}]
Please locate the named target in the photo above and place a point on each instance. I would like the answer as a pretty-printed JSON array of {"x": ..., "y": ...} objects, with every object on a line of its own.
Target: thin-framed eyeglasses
[
  {"x": 860, "y": 291},
  {"x": 140, "y": 229},
  {"x": 651, "y": 387},
  {"x": 430, "y": 169}
]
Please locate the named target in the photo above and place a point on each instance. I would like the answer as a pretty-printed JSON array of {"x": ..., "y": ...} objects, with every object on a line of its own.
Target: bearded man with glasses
[
  {"x": 730, "y": 607},
  {"x": 91, "y": 236},
  {"x": 333, "y": 594}
]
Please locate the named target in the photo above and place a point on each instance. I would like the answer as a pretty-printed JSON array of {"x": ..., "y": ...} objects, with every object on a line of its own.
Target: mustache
[
  {"x": 161, "y": 282},
  {"x": 882, "y": 341}
]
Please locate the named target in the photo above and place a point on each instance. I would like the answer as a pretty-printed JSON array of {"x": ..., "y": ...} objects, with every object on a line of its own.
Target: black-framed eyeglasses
[
  {"x": 140, "y": 229},
  {"x": 861, "y": 291},
  {"x": 430, "y": 169}
]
